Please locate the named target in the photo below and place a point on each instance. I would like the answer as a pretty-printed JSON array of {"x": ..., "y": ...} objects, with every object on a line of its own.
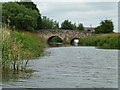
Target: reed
[
  {"x": 105, "y": 41},
  {"x": 18, "y": 48}
]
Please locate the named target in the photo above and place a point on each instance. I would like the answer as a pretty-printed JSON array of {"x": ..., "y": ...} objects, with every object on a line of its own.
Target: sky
[{"x": 88, "y": 12}]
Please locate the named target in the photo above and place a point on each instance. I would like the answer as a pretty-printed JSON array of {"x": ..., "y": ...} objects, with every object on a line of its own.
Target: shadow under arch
[
  {"x": 54, "y": 40},
  {"x": 72, "y": 41}
]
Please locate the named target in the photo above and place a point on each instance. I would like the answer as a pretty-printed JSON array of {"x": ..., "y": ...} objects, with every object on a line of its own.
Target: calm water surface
[{"x": 72, "y": 67}]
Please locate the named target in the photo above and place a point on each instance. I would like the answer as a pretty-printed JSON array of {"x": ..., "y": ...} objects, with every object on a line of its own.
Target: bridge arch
[
  {"x": 55, "y": 38},
  {"x": 72, "y": 40}
]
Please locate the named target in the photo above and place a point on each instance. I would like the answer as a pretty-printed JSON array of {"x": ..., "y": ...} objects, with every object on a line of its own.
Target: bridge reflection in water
[{"x": 55, "y": 44}]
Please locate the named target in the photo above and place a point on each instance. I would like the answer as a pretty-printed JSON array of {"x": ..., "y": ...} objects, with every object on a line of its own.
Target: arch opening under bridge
[
  {"x": 54, "y": 40},
  {"x": 74, "y": 41}
]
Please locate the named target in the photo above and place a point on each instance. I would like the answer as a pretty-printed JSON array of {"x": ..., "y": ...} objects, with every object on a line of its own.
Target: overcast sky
[{"x": 88, "y": 12}]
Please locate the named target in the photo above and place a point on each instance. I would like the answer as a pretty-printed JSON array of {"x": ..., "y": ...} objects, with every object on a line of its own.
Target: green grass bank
[
  {"x": 103, "y": 41},
  {"x": 19, "y": 47}
]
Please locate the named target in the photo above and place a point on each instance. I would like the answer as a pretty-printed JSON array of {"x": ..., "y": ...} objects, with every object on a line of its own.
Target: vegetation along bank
[
  {"x": 19, "y": 47},
  {"x": 104, "y": 41}
]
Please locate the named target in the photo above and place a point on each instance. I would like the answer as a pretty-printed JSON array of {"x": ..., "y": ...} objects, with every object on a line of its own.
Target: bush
[{"x": 105, "y": 26}]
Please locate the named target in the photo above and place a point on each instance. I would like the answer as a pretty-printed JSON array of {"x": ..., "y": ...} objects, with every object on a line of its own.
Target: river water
[{"x": 72, "y": 67}]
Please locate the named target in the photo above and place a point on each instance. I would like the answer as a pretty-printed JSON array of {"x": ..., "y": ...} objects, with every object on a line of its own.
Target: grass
[
  {"x": 18, "y": 48},
  {"x": 103, "y": 41}
]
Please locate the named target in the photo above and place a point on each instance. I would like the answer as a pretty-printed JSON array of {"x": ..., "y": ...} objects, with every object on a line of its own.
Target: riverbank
[
  {"x": 19, "y": 47},
  {"x": 103, "y": 41}
]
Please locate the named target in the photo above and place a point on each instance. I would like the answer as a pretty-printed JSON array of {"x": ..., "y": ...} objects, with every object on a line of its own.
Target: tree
[
  {"x": 74, "y": 26},
  {"x": 106, "y": 26},
  {"x": 68, "y": 25},
  {"x": 55, "y": 25},
  {"x": 19, "y": 16},
  {"x": 49, "y": 23},
  {"x": 80, "y": 27},
  {"x": 29, "y": 4}
]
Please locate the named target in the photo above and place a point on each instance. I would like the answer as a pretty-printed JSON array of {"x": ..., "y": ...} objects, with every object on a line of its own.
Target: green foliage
[
  {"x": 106, "y": 26},
  {"x": 17, "y": 47},
  {"x": 32, "y": 6},
  {"x": 29, "y": 4},
  {"x": 30, "y": 43},
  {"x": 80, "y": 27},
  {"x": 110, "y": 41},
  {"x": 68, "y": 25},
  {"x": 18, "y": 16},
  {"x": 49, "y": 23}
]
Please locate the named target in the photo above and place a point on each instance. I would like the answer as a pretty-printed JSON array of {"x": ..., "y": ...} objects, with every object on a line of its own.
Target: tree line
[{"x": 26, "y": 16}]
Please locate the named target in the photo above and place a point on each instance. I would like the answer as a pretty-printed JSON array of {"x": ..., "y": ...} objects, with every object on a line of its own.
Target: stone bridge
[{"x": 65, "y": 35}]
